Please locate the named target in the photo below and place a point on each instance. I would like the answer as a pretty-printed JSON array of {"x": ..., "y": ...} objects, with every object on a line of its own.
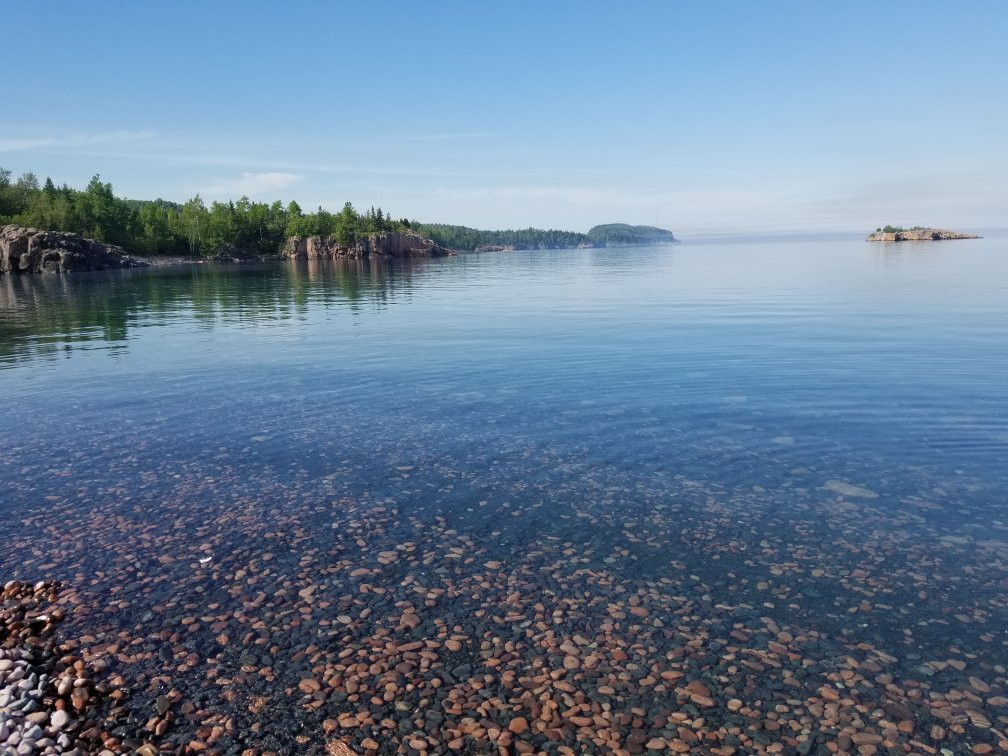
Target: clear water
[{"x": 696, "y": 414}]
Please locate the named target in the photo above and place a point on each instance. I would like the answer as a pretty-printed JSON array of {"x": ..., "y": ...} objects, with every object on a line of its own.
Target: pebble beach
[{"x": 625, "y": 621}]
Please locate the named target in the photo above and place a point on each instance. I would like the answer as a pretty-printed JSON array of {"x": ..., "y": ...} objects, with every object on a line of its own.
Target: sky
[{"x": 700, "y": 117}]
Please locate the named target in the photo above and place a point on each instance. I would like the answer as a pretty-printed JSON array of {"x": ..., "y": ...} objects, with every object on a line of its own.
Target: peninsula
[
  {"x": 917, "y": 233},
  {"x": 605, "y": 235},
  {"x": 45, "y": 227}
]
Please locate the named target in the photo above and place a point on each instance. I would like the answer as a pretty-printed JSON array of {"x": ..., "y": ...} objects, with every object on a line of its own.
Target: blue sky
[{"x": 699, "y": 117}]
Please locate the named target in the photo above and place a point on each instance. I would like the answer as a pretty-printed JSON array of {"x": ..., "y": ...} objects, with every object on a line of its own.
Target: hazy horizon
[{"x": 789, "y": 118}]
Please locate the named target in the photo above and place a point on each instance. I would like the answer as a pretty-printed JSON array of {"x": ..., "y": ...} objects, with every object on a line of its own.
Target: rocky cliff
[
  {"x": 28, "y": 250},
  {"x": 390, "y": 244},
  {"x": 919, "y": 234}
]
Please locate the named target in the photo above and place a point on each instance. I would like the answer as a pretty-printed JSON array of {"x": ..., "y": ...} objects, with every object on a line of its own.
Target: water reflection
[
  {"x": 696, "y": 451},
  {"x": 46, "y": 316}
]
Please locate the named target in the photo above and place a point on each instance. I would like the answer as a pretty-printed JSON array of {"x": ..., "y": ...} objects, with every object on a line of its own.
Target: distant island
[
  {"x": 102, "y": 230},
  {"x": 606, "y": 235},
  {"x": 917, "y": 233}
]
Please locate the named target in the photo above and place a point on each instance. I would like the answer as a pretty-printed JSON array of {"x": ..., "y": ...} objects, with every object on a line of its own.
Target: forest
[
  {"x": 193, "y": 229},
  {"x": 610, "y": 234},
  {"x": 463, "y": 237},
  {"x": 159, "y": 227}
]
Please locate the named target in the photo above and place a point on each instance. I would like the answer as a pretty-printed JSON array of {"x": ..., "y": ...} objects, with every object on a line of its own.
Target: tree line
[
  {"x": 463, "y": 237},
  {"x": 160, "y": 227},
  {"x": 609, "y": 234}
]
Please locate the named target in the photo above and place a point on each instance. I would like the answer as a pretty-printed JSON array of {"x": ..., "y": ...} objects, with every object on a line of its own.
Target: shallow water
[{"x": 804, "y": 437}]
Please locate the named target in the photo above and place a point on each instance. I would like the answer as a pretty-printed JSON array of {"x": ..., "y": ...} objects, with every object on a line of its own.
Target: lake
[{"x": 721, "y": 495}]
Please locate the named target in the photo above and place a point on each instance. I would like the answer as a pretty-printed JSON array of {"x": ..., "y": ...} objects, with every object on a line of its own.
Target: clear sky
[{"x": 701, "y": 117}]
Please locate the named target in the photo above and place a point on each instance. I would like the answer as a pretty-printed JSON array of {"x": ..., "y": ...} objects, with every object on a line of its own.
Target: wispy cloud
[
  {"x": 451, "y": 136},
  {"x": 71, "y": 141},
  {"x": 251, "y": 184},
  {"x": 622, "y": 197}
]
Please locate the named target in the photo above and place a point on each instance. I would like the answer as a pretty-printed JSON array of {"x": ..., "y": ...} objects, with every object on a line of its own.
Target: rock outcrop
[
  {"x": 28, "y": 250},
  {"x": 389, "y": 244},
  {"x": 229, "y": 253},
  {"x": 919, "y": 234}
]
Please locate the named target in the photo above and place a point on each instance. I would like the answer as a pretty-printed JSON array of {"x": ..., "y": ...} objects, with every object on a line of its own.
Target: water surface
[{"x": 798, "y": 440}]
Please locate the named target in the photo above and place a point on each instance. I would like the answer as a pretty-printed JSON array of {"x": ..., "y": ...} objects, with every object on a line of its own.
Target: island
[{"x": 917, "y": 233}]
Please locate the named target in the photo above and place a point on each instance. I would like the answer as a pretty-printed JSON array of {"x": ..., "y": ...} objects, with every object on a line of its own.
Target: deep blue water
[{"x": 694, "y": 410}]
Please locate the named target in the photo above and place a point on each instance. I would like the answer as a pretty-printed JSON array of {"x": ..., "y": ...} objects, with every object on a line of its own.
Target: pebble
[
  {"x": 518, "y": 725},
  {"x": 676, "y": 620}
]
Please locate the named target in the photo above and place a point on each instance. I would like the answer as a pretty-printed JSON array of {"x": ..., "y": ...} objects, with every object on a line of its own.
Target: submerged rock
[
  {"x": 29, "y": 250},
  {"x": 846, "y": 489}
]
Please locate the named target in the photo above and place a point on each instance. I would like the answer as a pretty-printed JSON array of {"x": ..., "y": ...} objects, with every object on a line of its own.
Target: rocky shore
[
  {"x": 29, "y": 250},
  {"x": 304, "y": 622},
  {"x": 51, "y": 701},
  {"x": 389, "y": 244},
  {"x": 919, "y": 234}
]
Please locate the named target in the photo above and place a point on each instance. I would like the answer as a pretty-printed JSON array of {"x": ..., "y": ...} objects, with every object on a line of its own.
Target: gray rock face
[
  {"x": 28, "y": 250},
  {"x": 391, "y": 244}
]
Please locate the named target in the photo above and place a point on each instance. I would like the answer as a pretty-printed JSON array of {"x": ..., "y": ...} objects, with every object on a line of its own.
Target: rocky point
[
  {"x": 389, "y": 244},
  {"x": 29, "y": 250}
]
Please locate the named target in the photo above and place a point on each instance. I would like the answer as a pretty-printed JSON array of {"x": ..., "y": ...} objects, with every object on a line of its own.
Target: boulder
[{"x": 29, "y": 250}]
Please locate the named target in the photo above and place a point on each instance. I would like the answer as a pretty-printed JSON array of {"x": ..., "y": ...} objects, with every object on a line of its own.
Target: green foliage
[
  {"x": 891, "y": 229},
  {"x": 615, "y": 234},
  {"x": 461, "y": 237},
  {"x": 159, "y": 227}
]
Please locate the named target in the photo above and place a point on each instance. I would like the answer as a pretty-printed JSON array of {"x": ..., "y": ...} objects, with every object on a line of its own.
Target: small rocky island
[{"x": 917, "y": 233}]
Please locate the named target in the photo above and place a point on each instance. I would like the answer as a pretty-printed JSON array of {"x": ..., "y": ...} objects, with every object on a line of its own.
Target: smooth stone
[{"x": 59, "y": 719}]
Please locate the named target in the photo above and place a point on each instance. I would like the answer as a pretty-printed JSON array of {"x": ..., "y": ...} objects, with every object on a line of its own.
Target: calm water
[{"x": 787, "y": 429}]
